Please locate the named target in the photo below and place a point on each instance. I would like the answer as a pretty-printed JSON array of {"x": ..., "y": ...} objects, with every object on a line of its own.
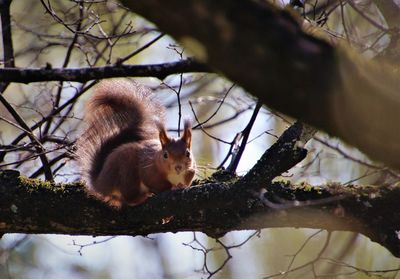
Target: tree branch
[
  {"x": 265, "y": 50},
  {"x": 85, "y": 74},
  {"x": 8, "y": 49},
  {"x": 31, "y": 206},
  {"x": 6, "y": 33}
]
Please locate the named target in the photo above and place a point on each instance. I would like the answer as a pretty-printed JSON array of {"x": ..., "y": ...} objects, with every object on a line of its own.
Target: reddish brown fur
[{"x": 122, "y": 151}]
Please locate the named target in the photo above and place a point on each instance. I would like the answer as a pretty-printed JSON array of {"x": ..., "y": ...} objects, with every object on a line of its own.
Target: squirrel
[{"x": 125, "y": 153}]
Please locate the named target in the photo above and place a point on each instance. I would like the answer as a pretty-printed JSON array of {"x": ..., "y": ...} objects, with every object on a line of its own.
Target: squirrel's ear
[
  {"x": 187, "y": 133},
  {"x": 164, "y": 139}
]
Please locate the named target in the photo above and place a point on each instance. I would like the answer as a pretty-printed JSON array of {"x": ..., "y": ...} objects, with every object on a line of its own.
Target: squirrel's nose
[{"x": 178, "y": 168}]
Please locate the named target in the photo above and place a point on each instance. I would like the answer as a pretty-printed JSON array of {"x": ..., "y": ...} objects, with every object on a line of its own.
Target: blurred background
[{"x": 97, "y": 33}]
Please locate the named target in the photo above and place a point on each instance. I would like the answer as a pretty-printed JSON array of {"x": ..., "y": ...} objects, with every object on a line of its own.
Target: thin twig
[
  {"x": 246, "y": 133},
  {"x": 38, "y": 146}
]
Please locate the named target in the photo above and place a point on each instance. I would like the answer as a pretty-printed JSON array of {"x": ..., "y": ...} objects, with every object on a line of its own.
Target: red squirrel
[{"x": 125, "y": 153}]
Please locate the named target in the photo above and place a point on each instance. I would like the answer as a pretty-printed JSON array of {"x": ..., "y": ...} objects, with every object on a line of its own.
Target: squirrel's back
[{"x": 119, "y": 111}]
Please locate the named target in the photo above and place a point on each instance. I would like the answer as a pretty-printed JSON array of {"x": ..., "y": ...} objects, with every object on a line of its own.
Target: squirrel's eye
[
  {"x": 165, "y": 155},
  {"x": 188, "y": 153}
]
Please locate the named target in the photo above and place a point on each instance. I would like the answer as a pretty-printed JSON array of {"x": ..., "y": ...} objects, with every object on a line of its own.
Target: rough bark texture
[
  {"x": 265, "y": 50},
  {"x": 32, "y": 206}
]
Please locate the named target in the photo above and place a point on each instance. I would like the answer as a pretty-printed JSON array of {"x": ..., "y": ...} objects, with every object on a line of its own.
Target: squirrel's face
[
  {"x": 176, "y": 156},
  {"x": 177, "y": 159}
]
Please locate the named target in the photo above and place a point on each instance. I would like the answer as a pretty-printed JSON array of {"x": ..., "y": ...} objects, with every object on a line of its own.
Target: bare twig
[
  {"x": 245, "y": 136},
  {"x": 40, "y": 149}
]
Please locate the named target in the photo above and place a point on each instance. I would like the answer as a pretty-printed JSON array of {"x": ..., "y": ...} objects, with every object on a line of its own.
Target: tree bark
[
  {"x": 265, "y": 50},
  {"x": 33, "y": 206}
]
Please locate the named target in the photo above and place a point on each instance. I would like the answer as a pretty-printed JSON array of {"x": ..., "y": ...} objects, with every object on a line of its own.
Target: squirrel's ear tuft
[
  {"x": 164, "y": 139},
  {"x": 187, "y": 133}
]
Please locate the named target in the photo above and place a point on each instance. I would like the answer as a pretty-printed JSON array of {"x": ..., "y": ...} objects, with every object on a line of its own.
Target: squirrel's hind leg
[
  {"x": 122, "y": 170},
  {"x": 135, "y": 194},
  {"x": 113, "y": 199},
  {"x": 115, "y": 176}
]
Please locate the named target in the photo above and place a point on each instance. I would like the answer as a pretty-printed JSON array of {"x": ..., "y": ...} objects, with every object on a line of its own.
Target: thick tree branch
[
  {"x": 30, "y": 206},
  {"x": 85, "y": 74},
  {"x": 265, "y": 50}
]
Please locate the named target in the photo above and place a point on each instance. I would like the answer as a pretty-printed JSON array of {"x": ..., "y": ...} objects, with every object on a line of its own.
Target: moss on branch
[{"x": 34, "y": 206}]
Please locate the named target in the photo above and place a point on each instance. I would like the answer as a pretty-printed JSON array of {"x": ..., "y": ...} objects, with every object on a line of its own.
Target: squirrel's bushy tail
[{"x": 118, "y": 112}]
